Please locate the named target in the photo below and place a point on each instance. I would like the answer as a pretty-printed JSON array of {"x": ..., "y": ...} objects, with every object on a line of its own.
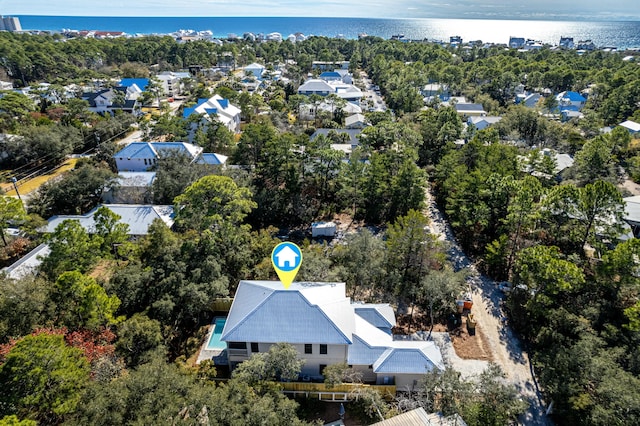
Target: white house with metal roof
[
  {"x": 631, "y": 126},
  {"x": 142, "y": 156},
  {"x": 316, "y": 86},
  {"x": 469, "y": 110},
  {"x": 483, "y": 122},
  {"x": 138, "y": 216},
  {"x": 216, "y": 108},
  {"x": 325, "y": 328}
]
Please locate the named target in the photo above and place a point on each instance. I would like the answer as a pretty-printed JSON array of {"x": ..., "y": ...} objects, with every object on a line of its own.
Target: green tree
[
  {"x": 411, "y": 252},
  {"x": 82, "y": 303},
  {"x": 14, "y": 110},
  {"x": 174, "y": 173},
  {"x": 109, "y": 231},
  {"x": 71, "y": 249},
  {"x": 138, "y": 336},
  {"x": 362, "y": 260},
  {"x": 15, "y": 421},
  {"x": 337, "y": 374},
  {"x": 281, "y": 362},
  {"x": 544, "y": 273},
  {"x": 439, "y": 289},
  {"x": 595, "y": 161},
  {"x": 522, "y": 213},
  {"x": 600, "y": 206},
  {"x": 75, "y": 193},
  {"x": 212, "y": 201},
  {"x": 24, "y": 305},
  {"x": 42, "y": 378},
  {"x": 11, "y": 211}
]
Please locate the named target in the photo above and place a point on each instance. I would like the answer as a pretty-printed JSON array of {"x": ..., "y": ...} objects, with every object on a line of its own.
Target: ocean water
[{"x": 624, "y": 34}]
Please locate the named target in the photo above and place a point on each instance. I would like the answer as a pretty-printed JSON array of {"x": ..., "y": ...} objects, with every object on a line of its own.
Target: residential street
[{"x": 506, "y": 347}]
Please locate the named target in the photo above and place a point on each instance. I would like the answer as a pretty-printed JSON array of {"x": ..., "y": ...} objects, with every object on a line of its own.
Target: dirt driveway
[{"x": 504, "y": 347}]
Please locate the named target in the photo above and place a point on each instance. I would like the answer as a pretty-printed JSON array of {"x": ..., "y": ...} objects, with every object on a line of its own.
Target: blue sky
[{"x": 526, "y": 9}]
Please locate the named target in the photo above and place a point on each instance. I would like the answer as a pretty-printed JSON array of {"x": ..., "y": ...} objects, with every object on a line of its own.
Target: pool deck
[{"x": 219, "y": 356}]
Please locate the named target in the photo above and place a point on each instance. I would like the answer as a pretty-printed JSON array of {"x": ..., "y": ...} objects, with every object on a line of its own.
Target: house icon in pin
[{"x": 286, "y": 258}]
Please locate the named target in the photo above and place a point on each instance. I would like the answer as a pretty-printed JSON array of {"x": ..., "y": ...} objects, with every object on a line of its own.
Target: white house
[
  {"x": 118, "y": 98},
  {"x": 320, "y": 87},
  {"x": 255, "y": 70},
  {"x": 138, "y": 216},
  {"x": 355, "y": 121},
  {"x": 142, "y": 156},
  {"x": 431, "y": 90},
  {"x": 325, "y": 328},
  {"x": 631, "y": 126},
  {"x": 470, "y": 110},
  {"x": 482, "y": 123},
  {"x": 570, "y": 100},
  {"x": 171, "y": 82},
  {"x": 217, "y": 108}
]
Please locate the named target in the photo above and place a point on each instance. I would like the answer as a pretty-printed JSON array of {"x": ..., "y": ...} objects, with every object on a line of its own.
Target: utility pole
[{"x": 15, "y": 186}]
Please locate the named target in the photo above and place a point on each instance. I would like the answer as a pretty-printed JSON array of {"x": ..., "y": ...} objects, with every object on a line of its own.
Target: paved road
[
  {"x": 506, "y": 348},
  {"x": 133, "y": 137}
]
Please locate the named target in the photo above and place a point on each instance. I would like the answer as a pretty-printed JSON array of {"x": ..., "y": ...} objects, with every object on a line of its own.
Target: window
[
  {"x": 254, "y": 347},
  {"x": 237, "y": 345},
  {"x": 308, "y": 348},
  {"x": 322, "y": 367},
  {"x": 323, "y": 349}
]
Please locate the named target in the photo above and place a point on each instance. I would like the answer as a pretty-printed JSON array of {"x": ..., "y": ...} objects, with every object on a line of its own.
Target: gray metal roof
[
  {"x": 136, "y": 179},
  {"x": 379, "y": 315},
  {"x": 632, "y": 209},
  {"x": 137, "y": 216},
  {"x": 409, "y": 358},
  {"x": 29, "y": 264},
  {"x": 264, "y": 311}
]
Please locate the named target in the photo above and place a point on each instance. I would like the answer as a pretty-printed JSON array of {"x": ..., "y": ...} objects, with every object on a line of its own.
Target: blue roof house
[
  {"x": 142, "y": 83},
  {"x": 570, "y": 101},
  {"x": 325, "y": 328}
]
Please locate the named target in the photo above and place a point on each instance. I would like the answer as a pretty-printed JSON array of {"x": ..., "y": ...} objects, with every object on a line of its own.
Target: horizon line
[{"x": 485, "y": 18}]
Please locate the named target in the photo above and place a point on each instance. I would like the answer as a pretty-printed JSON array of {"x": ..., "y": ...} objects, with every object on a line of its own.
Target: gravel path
[{"x": 505, "y": 346}]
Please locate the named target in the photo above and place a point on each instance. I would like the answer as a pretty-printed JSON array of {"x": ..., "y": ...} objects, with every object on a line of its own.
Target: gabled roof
[
  {"x": 571, "y": 96},
  {"x": 148, "y": 150},
  {"x": 142, "y": 83},
  {"x": 353, "y": 119},
  {"x": 224, "y": 110},
  {"x": 488, "y": 120},
  {"x": 379, "y": 315},
  {"x": 137, "y": 150},
  {"x": 212, "y": 158},
  {"x": 137, "y": 216},
  {"x": 369, "y": 343},
  {"x": 254, "y": 66},
  {"x": 264, "y": 311},
  {"x": 409, "y": 358},
  {"x": 315, "y": 85}
]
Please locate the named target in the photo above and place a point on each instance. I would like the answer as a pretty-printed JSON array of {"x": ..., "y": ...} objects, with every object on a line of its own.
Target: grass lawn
[{"x": 35, "y": 183}]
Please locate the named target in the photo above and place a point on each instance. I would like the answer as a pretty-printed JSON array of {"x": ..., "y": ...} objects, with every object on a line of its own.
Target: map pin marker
[{"x": 286, "y": 259}]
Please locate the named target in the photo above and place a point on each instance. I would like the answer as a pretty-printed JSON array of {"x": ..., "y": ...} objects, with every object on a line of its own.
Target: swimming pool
[{"x": 214, "y": 341}]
